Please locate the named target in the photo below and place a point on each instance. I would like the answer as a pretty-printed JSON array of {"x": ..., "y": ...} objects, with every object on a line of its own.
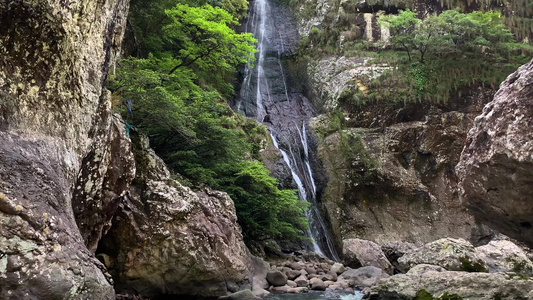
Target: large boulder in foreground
[
  {"x": 496, "y": 166},
  {"x": 505, "y": 256},
  {"x": 167, "y": 239},
  {"x": 471, "y": 286},
  {"x": 451, "y": 254}
]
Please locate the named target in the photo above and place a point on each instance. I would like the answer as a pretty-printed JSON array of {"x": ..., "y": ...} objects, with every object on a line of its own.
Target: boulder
[
  {"x": 292, "y": 284},
  {"x": 333, "y": 275},
  {"x": 360, "y": 253},
  {"x": 276, "y": 278},
  {"x": 292, "y": 274},
  {"x": 297, "y": 266},
  {"x": 496, "y": 165},
  {"x": 472, "y": 286},
  {"x": 505, "y": 256},
  {"x": 240, "y": 295},
  {"x": 362, "y": 277},
  {"x": 257, "y": 271},
  {"x": 395, "y": 250},
  {"x": 317, "y": 284},
  {"x": 337, "y": 268},
  {"x": 302, "y": 281},
  {"x": 451, "y": 254},
  {"x": 280, "y": 289},
  {"x": 166, "y": 237}
]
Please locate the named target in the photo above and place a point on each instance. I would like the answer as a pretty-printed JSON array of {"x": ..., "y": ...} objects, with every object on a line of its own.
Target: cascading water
[{"x": 265, "y": 96}]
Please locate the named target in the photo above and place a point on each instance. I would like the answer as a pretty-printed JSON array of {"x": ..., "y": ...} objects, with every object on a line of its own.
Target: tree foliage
[
  {"x": 202, "y": 36},
  {"x": 451, "y": 32}
]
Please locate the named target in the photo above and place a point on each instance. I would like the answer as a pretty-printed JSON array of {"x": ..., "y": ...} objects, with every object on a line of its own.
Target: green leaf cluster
[{"x": 178, "y": 84}]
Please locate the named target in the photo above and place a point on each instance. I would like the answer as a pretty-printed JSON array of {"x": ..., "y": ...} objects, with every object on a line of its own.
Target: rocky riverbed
[{"x": 500, "y": 269}]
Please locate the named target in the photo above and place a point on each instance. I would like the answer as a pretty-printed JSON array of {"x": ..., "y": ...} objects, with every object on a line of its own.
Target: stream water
[
  {"x": 266, "y": 96},
  {"x": 318, "y": 296}
]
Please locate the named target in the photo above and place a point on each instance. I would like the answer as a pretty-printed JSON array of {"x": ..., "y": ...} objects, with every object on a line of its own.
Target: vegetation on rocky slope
[
  {"x": 433, "y": 58},
  {"x": 174, "y": 88}
]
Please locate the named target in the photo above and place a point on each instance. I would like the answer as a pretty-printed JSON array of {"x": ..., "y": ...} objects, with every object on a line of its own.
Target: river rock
[
  {"x": 302, "y": 281},
  {"x": 362, "y": 277},
  {"x": 451, "y": 254},
  {"x": 257, "y": 271},
  {"x": 338, "y": 268},
  {"x": 496, "y": 166},
  {"x": 291, "y": 283},
  {"x": 297, "y": 290},
  {"x": 240, "y": 295},
  {"x": 358, "y": 253},
  {"x": 317, "y": 284},
  {"x": 297, "y": 265},
  {"x": 472, "y": 286},
  {"x": 505, "y": 256},
  {"x": 280, "y": 289},
  {"x": 276, "y": 278},
  {"x": 292, "y": 274}
]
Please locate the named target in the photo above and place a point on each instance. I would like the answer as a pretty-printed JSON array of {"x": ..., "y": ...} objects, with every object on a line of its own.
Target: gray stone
[
  {"x": 302, "y": 281},
  {"x": 360, "y": 253},
  {"x": 276, "y": 278},
  {"x": 505, "y": 256},
  {"x": 297, "y": 290},
  {"x": 362, "y": 277},
  {"x": 337, "y": 268},
  {"x": 472, "y": 286},
  {"x": 240, "y": 295},
  {"x": 317, "y": 284},
  {"x": 451, "y": 254}
]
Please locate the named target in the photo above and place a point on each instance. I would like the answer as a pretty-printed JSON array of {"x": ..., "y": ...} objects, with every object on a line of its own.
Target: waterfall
[{"x": 266, "y": 95}]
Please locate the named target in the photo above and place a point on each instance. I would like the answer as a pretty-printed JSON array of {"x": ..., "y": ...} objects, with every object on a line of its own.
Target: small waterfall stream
[{"x": 267, "y": 96}]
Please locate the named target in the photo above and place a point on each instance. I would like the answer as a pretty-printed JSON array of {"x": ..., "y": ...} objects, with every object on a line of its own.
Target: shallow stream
[{"x": 330, "y": 295}]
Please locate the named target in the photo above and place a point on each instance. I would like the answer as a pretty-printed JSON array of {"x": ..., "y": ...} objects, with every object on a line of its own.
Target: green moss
[{"x": 468, "y": 266}]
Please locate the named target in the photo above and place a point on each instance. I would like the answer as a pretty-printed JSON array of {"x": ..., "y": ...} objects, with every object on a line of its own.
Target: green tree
[
  {"x": 402, "y": 29},
  {"x": 202, "y": 36}
]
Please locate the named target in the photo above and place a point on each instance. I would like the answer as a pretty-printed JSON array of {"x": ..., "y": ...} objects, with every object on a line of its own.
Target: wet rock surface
[
  {"x": 496, "y": 166},
  {"x": 51, "y": 101}
]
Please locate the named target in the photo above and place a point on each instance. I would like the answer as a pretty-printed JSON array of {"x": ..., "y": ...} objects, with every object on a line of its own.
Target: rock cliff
[
  {"x": 54, "y": 59},
  {"x": 496, "y": 166},
  {"x": 167, "y": 239},
  {"x": 70, "y": 175},
  {"x": 391, "y": 170}
]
